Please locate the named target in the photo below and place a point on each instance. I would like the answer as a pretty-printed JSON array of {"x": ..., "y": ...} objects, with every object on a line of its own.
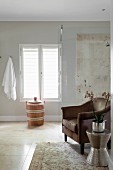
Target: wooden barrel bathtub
[{"x": 35, "y": 113}]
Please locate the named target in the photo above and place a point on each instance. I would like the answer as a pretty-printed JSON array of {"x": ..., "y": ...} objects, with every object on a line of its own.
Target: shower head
[{"x": 107, "y": 44}]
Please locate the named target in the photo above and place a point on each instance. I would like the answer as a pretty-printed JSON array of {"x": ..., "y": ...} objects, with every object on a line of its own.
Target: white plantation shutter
[
  {"x": 50, "y": 73},
  {"x": 30, "y": 73},
  {"x": 39, "y": 72}
]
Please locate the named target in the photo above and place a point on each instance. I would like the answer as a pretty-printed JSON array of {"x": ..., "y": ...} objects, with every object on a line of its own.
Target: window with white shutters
[{"x": 40, "y": 72}]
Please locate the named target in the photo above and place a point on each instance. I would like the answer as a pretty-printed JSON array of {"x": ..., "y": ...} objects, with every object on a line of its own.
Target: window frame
[{"x": 40, "y": 47}]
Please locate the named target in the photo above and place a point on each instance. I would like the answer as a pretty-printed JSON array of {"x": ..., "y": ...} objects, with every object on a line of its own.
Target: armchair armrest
[
  {"x": 70, "y": 111},
  {"x": 85, "y": 115},
  {"x": 90, "y": 115}
]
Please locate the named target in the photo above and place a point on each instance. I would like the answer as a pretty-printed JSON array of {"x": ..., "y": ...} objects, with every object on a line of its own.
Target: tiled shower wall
[{"x": 93, "y": 65}]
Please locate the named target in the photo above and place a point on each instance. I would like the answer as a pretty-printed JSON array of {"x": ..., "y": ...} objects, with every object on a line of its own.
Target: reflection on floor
[{"x": 18, "y": 142}]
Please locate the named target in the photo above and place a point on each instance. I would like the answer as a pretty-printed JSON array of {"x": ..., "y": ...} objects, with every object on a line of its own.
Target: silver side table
[{"x": 98, "y": 155}]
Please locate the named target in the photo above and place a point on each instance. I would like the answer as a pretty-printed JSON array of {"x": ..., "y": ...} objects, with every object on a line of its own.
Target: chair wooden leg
[
  {"x": 109, "y": 144},
  {"x": 65, "y": 137},
  {"x": 82, "y": 148}
]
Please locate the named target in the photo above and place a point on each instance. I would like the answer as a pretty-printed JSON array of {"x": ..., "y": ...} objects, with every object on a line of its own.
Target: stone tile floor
[{"x": 18, "y": 142}]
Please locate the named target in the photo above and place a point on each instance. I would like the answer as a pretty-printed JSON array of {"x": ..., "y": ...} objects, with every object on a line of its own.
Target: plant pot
[{"x": 98, "y": 127}]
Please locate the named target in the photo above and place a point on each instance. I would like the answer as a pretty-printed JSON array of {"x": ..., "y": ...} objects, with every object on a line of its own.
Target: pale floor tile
[
  {"x": 16, "y": 140},
  {"x": 14, "y": 149},
  {"x": 27, "y": 163},
  {"x": 29, "y": 158},
  {"x": 11, "y": 162}
]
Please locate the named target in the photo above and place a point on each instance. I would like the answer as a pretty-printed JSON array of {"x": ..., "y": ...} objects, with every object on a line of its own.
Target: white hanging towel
[{"x": 9, "y": 80}]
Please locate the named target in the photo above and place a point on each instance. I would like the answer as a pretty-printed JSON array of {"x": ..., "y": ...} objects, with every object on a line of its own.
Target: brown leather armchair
[{"x": 77, "y": 119}]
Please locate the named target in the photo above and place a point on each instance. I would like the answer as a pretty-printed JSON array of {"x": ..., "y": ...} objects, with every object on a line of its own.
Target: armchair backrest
[{"x": 99, "y": 103}]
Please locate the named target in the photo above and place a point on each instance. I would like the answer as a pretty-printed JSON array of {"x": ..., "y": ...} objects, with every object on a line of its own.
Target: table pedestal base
[{"x": 98, "y": 157}]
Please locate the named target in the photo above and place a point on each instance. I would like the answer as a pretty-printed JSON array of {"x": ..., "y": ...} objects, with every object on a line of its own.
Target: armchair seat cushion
[{"x": 70, "y": 124}]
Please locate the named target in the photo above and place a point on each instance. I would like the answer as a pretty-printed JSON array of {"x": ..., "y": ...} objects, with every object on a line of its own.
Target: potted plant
[{"x": 98, "y": 124}]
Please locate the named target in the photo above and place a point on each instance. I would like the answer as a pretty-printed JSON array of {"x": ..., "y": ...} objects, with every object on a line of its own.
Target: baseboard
[
  {"x": 56, "y": 118},
  {"x": 110, "y": 163},
  {"x": 13, "y": 118}
]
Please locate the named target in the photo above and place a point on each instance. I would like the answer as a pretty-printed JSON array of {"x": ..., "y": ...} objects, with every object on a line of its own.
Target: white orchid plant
[{"x": 100, "y": 117}]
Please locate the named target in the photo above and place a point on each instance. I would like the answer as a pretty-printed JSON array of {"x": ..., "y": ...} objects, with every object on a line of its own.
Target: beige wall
[
  {"x": 111, "y": 30},
  {"x": 93, "y": 65},
  {"x": 14, "y": 33}
]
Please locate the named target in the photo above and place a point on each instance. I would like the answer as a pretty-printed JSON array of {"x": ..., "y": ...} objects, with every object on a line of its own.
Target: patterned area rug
[{"x": 59, "y": 156}]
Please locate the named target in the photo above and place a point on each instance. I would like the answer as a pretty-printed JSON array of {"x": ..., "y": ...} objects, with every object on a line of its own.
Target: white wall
[{"x": 14, "y": 33}]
